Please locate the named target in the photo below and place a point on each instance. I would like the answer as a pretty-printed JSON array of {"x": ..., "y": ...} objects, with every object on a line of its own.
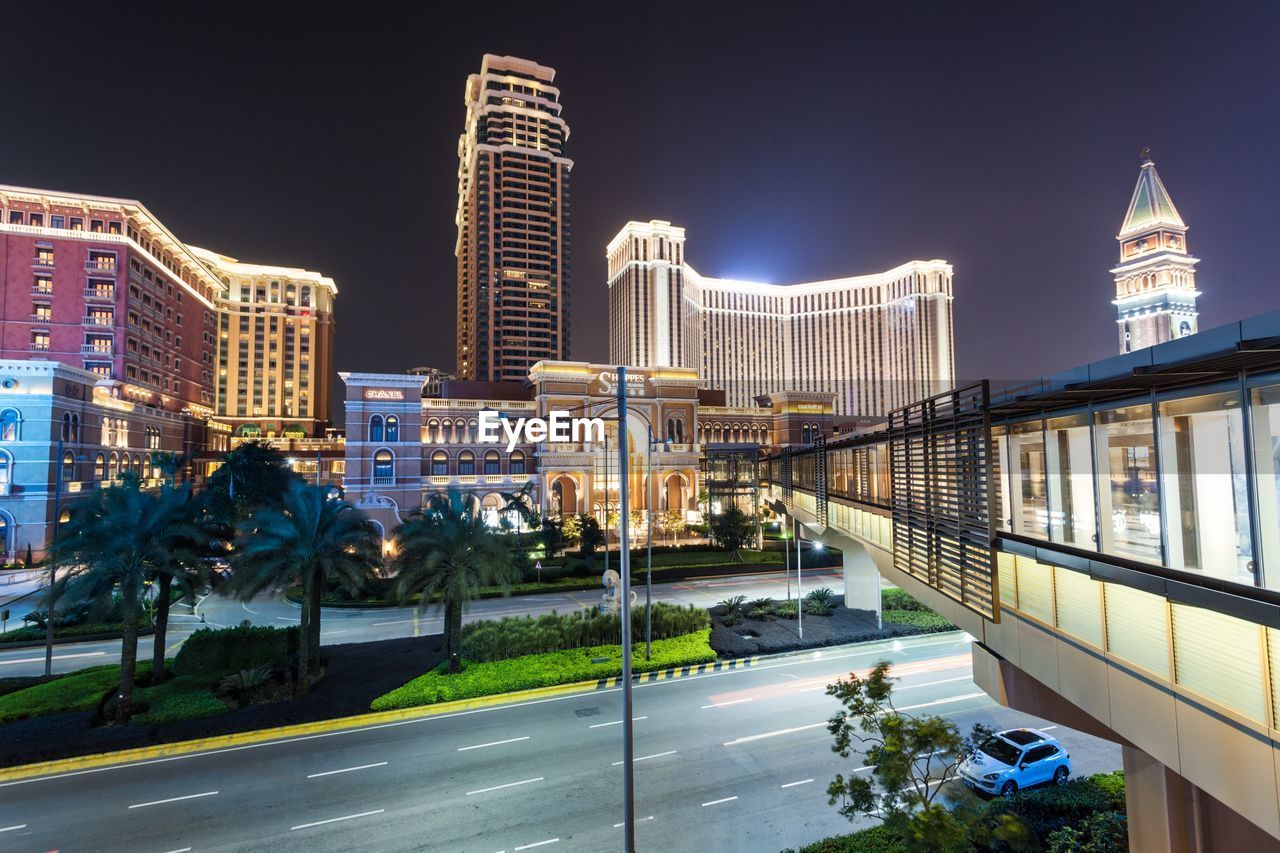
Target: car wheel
[
  {"x": 1060, "y": 776},
  {"x": 1008, "y": 789}
]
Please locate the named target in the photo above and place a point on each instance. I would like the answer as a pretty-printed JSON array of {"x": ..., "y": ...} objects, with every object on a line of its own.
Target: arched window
[
  {"x": 383, "y": 466},
  {"x": 517, "y": 462},
  {"x": 679, "y": 432},
  {"x": 434, "y": 435},
  {"x": 492, "y": 463},
  {"x": 393, "y": 428},
  {"x": 466, "y": 463},
  {"x": 66, "y": 427},
  {"x": 68, "y": 467},
  {"x": 6, "y": 472},
  {"x": 4, "y": 534},
  {"x": 306, "y": 296},
  {"x": 439, "y": 464},
  {"x": 472, "y": 428},
  {"x": 113, "y": 466},
  {"x": 99, "y": 467},
  {"x": 9, "y": 425},
  {"x": 375, "y": 428},
  {"x": 671, "y": 429}
]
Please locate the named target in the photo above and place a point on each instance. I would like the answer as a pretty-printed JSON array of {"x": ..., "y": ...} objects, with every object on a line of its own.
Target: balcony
[
  {"x": 383, "y": 481},
  {"x": 107, "y": 350},
  {"x": 99, "y": 321},
  {"x": 42, "y": 290},
  {"x": 101, "y": 267},
  {"x": 100, "y": 293},
  {"x": 42, "y": 263},
  {"x": 42, "y": 319},
  {"x": 40, "y": 347}
]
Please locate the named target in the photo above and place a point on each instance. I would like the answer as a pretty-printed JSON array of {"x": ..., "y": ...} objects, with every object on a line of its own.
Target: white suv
[{"x": 1014, "y": 759}]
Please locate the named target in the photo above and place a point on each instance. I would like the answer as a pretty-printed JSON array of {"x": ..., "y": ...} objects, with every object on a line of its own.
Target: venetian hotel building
[
  {"x": 114, "y": 339},
  {"x": 875, "y": 342}
]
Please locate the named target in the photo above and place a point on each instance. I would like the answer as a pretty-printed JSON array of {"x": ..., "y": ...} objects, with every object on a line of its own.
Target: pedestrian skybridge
[{"x": 1110, "y": 537}]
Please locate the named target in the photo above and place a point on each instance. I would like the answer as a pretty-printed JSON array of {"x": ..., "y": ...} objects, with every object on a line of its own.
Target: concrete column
[{"x": 861, "y": 579}]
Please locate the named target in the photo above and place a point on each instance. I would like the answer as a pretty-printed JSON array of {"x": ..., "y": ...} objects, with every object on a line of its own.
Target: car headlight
[{"x": 991, "y": 777}]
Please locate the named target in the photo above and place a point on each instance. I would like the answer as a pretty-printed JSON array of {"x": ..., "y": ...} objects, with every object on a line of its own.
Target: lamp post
[
  {"x": 648, "y": 571},
  {"x": 628, "y": 753},
  {"x": 799, "y": 592},
  {"x": 606, "y": 500},
  {"x": 53, "y": 557}
]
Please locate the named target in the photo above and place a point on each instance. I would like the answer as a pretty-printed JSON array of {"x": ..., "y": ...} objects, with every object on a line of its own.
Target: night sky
[{"x": 794, "y": 141}]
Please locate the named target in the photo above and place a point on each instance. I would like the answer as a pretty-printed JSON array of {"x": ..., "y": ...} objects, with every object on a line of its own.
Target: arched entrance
[
  {"x": 676, "y": 492},
  {"x": 564, "y": 496}
]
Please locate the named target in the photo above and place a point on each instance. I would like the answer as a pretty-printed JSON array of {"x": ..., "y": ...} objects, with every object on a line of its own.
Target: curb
[{"x": 82, "y": 763}]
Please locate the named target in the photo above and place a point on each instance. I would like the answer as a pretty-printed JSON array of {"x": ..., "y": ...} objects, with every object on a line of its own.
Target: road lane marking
[
  {"x": 55, "y": 657},
  {"x": 508, "y": 785},
  {"x": 614, "y": 723},
  {"x": 793, "y": 730},
  {"x": 336, "y": 819},
  {"x": 247, "y": 610},
  {"x": 793, "y": 784},
  {"x": 723, "y": 704},
  {"x": 394, "y": 622},
  {"x": 647, "y": 757},
  {"x": 898, "y": 687},
  {"x": 12, "y": 828},
  {"x": 493, "y": 743},
  {"x": 718, "y": 802},
  {"x": 943, "y": 701},
  {"x": 289, "y": 618},
  {"x": 537, "y": 844},
  {"x": 346, "y": 770},
  {"x": 638, "y": 820},
  {"x": 180, "y": 850},
  {"x": 173, "y": 800},
  {"x": 1047, "y": 728}
]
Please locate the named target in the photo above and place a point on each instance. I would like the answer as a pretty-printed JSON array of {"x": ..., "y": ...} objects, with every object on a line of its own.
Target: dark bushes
[{"x": 233, "y": 649}]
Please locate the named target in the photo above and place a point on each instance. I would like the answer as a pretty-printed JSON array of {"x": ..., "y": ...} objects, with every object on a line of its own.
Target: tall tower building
[
  {"x": 1156, "y": 278},
  {"x": 875, "y": 342},
  {"x": 513, "y": 222}
]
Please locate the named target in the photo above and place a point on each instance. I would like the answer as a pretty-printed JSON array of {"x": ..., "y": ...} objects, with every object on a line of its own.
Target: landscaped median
[{"x": 549, "y": 669}]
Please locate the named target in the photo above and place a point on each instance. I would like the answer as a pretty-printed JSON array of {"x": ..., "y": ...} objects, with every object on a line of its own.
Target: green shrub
[
  {"x": 896, "y": 599},
  {"x": 875, "y": 839},
  {"x": 513, "y": 636},
  {"x": 1105, "y": 832},
  {"x": 32, "y": 633},
  {"x": 926, "y": 620},
  {"x": 759, "y": 608},
  {"x": 77, "y": 691},
  {"x": 186, "y": 697},
  {"x": 223, "y": 650},
  {"x": 1046, "y": 810},
  {"x": 240, "y": 686},
  {"x": 543, "y": 670},
  {"x": 731, "y": 605},
  {"x": 787, "y": 609}
]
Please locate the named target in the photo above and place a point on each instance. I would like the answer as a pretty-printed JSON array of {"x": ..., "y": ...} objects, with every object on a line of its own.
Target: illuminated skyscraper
[
  {"x": 513, "y": 222},
  {"x": 1156, "y": 278}
]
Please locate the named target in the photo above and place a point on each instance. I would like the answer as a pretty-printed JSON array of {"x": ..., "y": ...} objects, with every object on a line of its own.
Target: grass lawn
[
  {"x": 544, "y": 670},
  {"x": 182, "y": 698}
]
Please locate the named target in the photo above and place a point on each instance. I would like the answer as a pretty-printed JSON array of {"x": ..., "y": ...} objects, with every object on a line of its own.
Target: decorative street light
[{"x": 628, "y": 752}]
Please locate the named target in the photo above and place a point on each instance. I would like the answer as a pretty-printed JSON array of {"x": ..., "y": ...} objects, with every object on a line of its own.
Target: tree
[
  {"x": 446, "y": 549},
  {"x": 113, "y": 541},
  {"x": 521, "y": 503},
  {"x": 251, "y": 477},
  {"x": 310, "y": 541},
  {"x": 669, "y": 521},
  {"x": 170, "y": 464},
  {"x": 733, "y": 529},
  {"x": 571, "y": 527},
  {"x": 195, "y": 538},
  {"x": 911, "y": 757},
  {"x": 590, "y": 537},
  {"x": 552, "y": 532}
]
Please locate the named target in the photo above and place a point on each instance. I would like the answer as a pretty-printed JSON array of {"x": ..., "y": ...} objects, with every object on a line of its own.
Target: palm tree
[
  {"x": 252, "y": 476},
  {"x": 310, "y": 541},
  {"x": 184, "y": 564},
  {"x": 114, "y": 540},
  {"x": 447, "y": 549},
  {"x": 521, "y": 503},
  {"x": 170, "y": 464}
]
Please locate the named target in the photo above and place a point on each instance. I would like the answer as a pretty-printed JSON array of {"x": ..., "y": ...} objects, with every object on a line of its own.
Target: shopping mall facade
[{"x": 402, "y": 448}]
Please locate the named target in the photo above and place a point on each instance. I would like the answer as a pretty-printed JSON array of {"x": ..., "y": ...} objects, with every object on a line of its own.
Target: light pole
[
  {"x": 799, "y": 592},
  {"x": 786, "y": 550},
  {"x": 648, "y": 571},
  {"x": 606, "y": 500},
  {"x": 628, "y": 753}
]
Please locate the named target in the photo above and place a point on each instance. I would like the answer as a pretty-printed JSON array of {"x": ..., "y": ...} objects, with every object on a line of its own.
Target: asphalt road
[
  {"x": 730, "y": 761},
  {"x": 360, "y": 626}
]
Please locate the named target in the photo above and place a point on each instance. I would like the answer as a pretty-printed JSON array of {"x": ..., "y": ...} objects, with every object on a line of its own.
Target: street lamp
[
  {"x": 53, "y": 557},
  {"x": 648, "y": 574},
  {"x": 628, "y": 752}
]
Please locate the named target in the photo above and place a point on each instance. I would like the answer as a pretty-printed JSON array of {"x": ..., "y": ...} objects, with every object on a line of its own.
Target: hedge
[
  {"x": 223, "y": 650},
  {"x": 926, "y": 620},
  {"x": 32, "y": 633},
  {"x": 875, "y": 839},
  {"x": 1045, "y": 810},
  {"x": 896, "y": 599},
  {"x": 513, "y": 636},
  {"x": 543, "y": 670},
  {"x": 79, "y": 691}
]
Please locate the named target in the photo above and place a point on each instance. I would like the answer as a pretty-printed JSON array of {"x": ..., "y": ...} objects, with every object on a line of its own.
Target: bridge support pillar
[{"x": 861, "y": 579}]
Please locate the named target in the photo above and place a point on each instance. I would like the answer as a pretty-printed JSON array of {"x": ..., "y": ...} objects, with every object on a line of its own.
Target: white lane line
[
  {"x": 289, "y": 618},
  {"x": 647, "y": 757},
  {"x": 508, "y": 785},
  {"x": 395, "y": 622},
  {"x": 247, "y": 610},
  {"x": 718, "y": 802},
  {"x": 493, "y": 743},
  {"x": 180, "y": 850},
  {"x": 329, "y": 633},
  {"x": 909, "y": 686},
  {"x": 1047, "y": 728},
  {"x": 173, "y": 800},
  {"x": 730, "y": 702},
  {"x": 346, "y": 770},
  {"x": 336, "y": 819},
  {"x": 638, "y": 820},
  {"x": 615, "y": 723},
  {"x": 537, "y": 844},
  {"x": 793, "y": 730},
  {"x": 12, "y": 828},
  {"x": 793, "y": 784},
  {"x": 55, "y": 657},
  {"x": 943, "y": 701}
]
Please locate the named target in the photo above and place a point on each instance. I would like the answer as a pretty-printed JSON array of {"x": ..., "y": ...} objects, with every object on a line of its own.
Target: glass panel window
[
  {"x": 1000, "y": 471},
  {"x": 1130, "y": 504},
  {"x": 1029, "y": 501},
  {"x": 1206, "y": 495},
  {"x": 492, "y": 463},
  {"x": 517, "y": 463},
  {"x": 1069, "y": 461},
  {"x": 393, "y": 428},
  {"x": 382, "y": 465},
  {"x": 466, "y": 463},
  {"x": 439, "y": 464},
  {"x": 1266, "y": 460}
]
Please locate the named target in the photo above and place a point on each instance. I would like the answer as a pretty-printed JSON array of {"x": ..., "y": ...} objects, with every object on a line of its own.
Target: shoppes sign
[{"x": 559, "y": 428}]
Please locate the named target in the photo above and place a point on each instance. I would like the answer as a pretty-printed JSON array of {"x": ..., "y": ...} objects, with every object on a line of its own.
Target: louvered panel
[
  {"x": 1078, "y": 599},
  {"x": 1136, "y": 627},
  {"x": 1220, "y": 658}
]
